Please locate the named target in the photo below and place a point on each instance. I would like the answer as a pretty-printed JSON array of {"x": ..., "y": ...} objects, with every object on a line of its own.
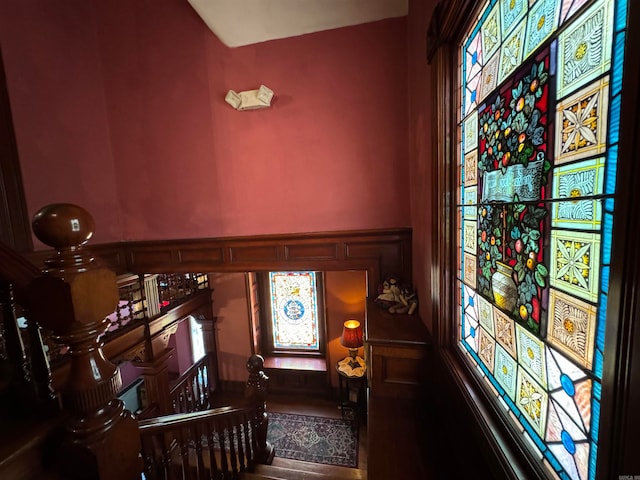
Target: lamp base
[{"x": 353, "y": 363}]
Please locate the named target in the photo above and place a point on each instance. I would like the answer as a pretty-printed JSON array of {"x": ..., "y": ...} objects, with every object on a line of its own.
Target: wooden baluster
[
  {"x": 232, "y": 448},
  {"x": 199, "y": 456},
  {"x": 212, "y": 450},
  {"x": 183, "y": 440},
  {"x": 247, "y": 440},
  {"x": 256, "y": 393},
  {"x": 72, "y": 299},
  {"x": 40, "y": 369},
  {"x": 20, "y": 377},
  {"x": 224, "y": 465},
  {"x": 240, "y": 445},
  {"x": 167, "y": 464}
]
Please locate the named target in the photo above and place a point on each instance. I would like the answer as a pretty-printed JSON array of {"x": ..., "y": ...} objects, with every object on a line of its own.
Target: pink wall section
[
  {"x": 182, "y": 357},
  {"x": 119, "y": 108},
  {"x": 230, "y": 308},
  {"x": 54, "y": 78}
]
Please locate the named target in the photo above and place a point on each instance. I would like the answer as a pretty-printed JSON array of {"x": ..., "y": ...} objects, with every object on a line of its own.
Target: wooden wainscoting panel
[
  {"x": 197, "y": 254},
  {"x": 256, "y": 253},
  {"x": 322, "y": 251},
  {"x": 147, "y": 259}
]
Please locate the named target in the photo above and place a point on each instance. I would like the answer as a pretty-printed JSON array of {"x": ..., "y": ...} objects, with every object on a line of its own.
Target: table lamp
[{"x": 352, "y": 339}]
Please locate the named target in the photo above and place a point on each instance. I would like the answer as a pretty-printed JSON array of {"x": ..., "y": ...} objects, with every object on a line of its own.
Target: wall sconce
[
  {"x": 250, "y": 99},
  {"x": 352, "y": 339}
]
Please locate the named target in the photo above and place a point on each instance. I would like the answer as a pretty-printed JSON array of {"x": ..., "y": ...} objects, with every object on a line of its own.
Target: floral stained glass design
[
  {"x": 294, "y": 310},
  {"x": 538, "y": 155}
]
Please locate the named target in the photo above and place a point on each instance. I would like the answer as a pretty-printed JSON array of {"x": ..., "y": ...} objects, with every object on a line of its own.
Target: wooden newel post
[
  {"x": 72, "y": 299},
  {"x": 255, "y": 393}
]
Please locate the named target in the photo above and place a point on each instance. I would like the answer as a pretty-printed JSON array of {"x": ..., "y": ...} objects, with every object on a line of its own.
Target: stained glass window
[
  {"x": 540, "y": 96},
  {"x": 294, "y": 310}
]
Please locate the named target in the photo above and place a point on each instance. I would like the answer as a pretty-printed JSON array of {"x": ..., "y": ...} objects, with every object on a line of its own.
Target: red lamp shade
[{"x": 351, "y": 334}]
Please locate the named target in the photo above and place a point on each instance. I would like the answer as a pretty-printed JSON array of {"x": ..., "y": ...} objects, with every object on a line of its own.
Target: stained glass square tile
[
  {"x": 470, "y": 265},
  {"x": 541, "y": 23},
  {"x": 486, "y": 349},
  {"x": 471, "y": 132},
  {"x": 511, "y": 12},
  {"x": 471, "y": 199},
  {"x": 571, "y": 327},
  {"x": 485, "y": 310},
  {"x": 532, "y": 400},
  {"x": 575, "y": 261},
  {"x": 491, "y": 33},
  {"x": 471, "y": 168},
  {"x": 470, "y": 235},
  {"x": 505, "y": 331},
  {"x": 505, "y": 371},
  {"x": 572, "y": 182},
  {"x": 581, "y": 123},
  {"x": 511, "y": 52},
  {"x": 489, "y": 79},
  {"x": 584, "y": 49},
  {"x": 531, "y": 355}
]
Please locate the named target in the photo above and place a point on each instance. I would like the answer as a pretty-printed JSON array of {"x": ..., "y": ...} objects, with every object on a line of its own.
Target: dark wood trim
[
  {"x": 15, "y": 229},
  {"x": 379, "y": 252}
]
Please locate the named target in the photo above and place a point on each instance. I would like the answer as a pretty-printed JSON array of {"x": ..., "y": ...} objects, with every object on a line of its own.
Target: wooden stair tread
[{"x": 286, "y": 469}]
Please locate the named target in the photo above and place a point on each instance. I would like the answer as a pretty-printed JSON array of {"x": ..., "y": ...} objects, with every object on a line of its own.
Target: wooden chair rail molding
[{"x": 377, "y": 251}]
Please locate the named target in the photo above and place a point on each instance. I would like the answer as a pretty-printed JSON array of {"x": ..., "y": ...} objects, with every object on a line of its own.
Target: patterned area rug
[{"x": 331, "y": 441}]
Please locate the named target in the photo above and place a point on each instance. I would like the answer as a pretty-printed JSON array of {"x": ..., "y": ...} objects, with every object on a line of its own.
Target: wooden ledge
[{"x": 309, "y": 364}]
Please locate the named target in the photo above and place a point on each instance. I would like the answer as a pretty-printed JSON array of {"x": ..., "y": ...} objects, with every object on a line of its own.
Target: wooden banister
[{"x": 215, "y": 443}]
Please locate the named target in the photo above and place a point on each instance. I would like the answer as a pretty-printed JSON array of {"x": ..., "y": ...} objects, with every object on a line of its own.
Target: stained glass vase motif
[{"x": 505, "y": 292}]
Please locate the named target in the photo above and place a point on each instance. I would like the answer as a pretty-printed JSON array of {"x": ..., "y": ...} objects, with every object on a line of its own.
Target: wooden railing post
[
  {"x": 255, "y": 393},
  {"x": 72, "y": 299},
  {"x": 156, "y": 382}
]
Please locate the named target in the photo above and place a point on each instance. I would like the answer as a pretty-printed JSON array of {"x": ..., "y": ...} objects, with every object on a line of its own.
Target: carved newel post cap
[
  {"x": 63, "y": 226},
  {"x": 255, "y": 363}
]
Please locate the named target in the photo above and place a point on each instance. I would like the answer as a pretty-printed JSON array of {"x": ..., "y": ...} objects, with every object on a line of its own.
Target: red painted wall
[
  {"x": 119, "y": 107},
  {"x": 54, "y": 79}
]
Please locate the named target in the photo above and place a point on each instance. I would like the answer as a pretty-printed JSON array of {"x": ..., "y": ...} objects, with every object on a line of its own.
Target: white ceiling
[{"x": 243, "y": 22}]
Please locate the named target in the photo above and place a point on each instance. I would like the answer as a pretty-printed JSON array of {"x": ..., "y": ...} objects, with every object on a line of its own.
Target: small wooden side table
[{"x": 352, "y": 383}]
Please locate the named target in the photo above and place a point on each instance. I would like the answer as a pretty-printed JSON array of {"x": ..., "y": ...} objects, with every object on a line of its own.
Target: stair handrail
[{"x": 176, "y": 446}]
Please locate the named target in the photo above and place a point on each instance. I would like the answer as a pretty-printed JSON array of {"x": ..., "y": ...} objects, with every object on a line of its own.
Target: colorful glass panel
[
  {"x": 294, "y": 310},
  {"x": 542, "y": 132}
]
